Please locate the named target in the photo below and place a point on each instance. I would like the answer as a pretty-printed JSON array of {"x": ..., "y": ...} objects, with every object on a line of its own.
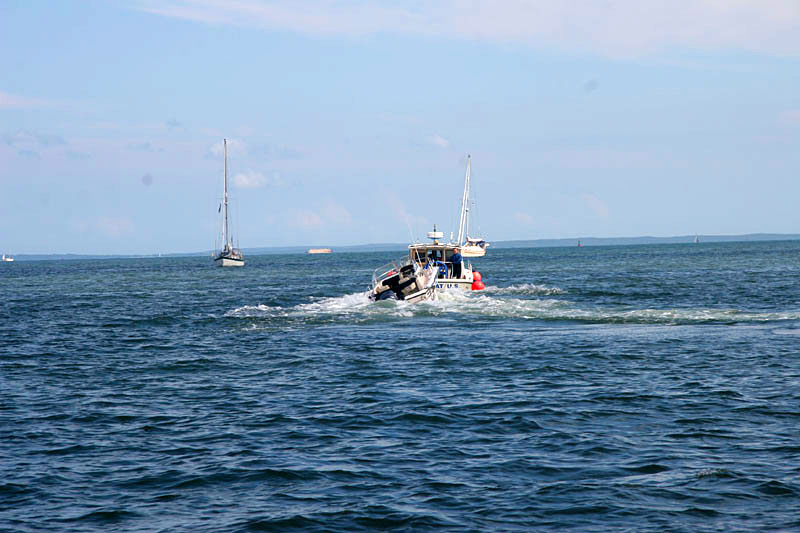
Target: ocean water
[{"x": 634, "y": 388}]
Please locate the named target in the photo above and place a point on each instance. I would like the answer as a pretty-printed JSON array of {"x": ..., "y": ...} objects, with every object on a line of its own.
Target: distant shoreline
[{"x": 382, "y": 247}]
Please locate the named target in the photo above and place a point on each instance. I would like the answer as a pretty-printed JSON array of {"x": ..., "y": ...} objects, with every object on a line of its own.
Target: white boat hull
[
  {"x": 449, "y": 284},
  {"x": 228, "y": 262},
  {"x": 472, "y": 251},
  {"x": 421, "y": 296},
  {"x": 428, "y": 288}
]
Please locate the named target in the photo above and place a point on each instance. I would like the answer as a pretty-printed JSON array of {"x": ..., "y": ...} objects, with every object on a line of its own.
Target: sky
[{"x": 350, "y": 121}]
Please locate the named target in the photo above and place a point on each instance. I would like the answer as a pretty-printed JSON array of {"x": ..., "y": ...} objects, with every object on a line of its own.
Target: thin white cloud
[
  {"x": 596, "y": 205},
  {"x": 337, "y": 214},
  {"x": 598, "y": 158},
  {"x": 12, "y": 101},
  {"x": 332, "y": 214},
  {"x": 114, "y": 226},
  {"x": 523, "y": 218},
  {"x": 619, "y": 28},
  {"x": 439, "y": 141},
  {"x": 252, "y": 179},
  {"x": 396, "y": 205},
  {"x": 278, "y": 151},
  {"x": 235, "y": 147},
  {"x": 305, "y": 219},
  {"x": 790, "y": 117}
]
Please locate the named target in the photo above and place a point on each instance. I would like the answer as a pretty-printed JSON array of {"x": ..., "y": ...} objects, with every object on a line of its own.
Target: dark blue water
[{"x": 631, "y": 388}]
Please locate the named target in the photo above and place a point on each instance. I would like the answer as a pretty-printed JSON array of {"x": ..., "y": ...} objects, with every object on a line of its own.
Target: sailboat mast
[
  {"x": 464, "y": 221},
  {"x": 225, "y": 235}
]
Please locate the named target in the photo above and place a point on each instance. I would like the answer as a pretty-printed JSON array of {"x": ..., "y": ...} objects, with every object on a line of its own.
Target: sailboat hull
[
  {"x": 472, "y": 251},
  {"x": 228, "y": 262},
  {"x": 474, "y": 248}
]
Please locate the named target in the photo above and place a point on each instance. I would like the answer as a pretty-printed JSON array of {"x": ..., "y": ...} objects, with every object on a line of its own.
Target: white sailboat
[
  {"x": 697, "y": 239},
  {"x": 7, "y": 259},
  {"x": 470, "y": 246},
  {"x": 229, "y": 255}
]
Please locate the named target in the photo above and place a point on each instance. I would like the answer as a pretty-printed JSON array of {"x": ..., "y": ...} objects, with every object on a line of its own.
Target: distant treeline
[
  {"x": 383, "y": 247},
  {"x": 617, "y": 241}
]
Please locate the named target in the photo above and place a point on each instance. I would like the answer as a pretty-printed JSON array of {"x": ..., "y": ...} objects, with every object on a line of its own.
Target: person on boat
[{"x": 456, "y": 259}]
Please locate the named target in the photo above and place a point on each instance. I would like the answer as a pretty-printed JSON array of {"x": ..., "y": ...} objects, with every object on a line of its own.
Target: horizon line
[{"x": 556, "y": 242}]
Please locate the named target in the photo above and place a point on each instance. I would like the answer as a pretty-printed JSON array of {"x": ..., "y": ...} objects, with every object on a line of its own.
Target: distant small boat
[
  {"x": 229, "y": 255},
  {"x": 319, "y": 250},
  {"x": 697, "y": 239},
  {"x": 7, "y": 259},
  {"x": 579, "y": 244}
]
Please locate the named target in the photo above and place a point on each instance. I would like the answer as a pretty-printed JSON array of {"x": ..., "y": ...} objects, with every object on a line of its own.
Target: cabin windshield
[{"x": 422, "y": 255}]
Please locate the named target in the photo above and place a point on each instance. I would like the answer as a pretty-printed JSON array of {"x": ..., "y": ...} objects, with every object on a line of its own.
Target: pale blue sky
[{"x": 350, "y": 121}]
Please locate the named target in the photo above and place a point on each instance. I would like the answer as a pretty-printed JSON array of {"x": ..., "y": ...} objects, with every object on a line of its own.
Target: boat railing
[
  {"x": 389, "y": 269},
  {"x": 466, "y": 267}
]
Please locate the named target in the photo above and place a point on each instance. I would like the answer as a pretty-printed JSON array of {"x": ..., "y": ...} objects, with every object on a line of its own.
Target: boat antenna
[{"x": 408, "y": 224}]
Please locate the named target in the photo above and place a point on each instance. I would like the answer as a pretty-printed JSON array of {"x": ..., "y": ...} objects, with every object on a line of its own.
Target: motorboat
[{"x": 428, "y": 269}]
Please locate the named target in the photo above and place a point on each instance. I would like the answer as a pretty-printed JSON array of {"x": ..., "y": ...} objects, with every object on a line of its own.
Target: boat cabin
[{"x": 425, "y": 253}]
